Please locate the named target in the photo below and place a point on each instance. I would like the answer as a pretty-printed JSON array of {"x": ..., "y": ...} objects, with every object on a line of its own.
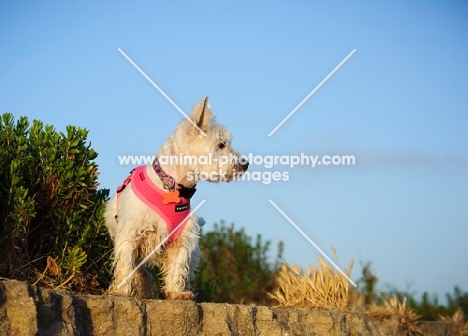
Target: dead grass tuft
[
  {"x": 318, "y": 288},
  {"x": 457, "y": 319},
  {"x": 394, "y": 307}
]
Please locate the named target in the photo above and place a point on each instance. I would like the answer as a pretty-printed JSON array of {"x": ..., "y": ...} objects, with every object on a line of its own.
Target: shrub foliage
[
  {"x": 234, "y": 268},
  {"x": 51, "y": 211}
]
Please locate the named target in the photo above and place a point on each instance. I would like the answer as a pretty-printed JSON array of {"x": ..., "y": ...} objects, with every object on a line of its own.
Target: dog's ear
[{"x": 201, "y": 114}]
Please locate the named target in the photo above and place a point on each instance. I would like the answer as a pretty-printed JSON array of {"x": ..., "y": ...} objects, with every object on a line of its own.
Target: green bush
[
  {"x": 233, "y": 269},
  {"x": 51, "y": 213}
]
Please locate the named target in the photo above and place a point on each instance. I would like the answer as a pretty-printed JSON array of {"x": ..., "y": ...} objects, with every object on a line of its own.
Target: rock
[
  {"x": 29, "y": 310},
  {"x": 18, "y": 314},
  {"x": 172, "y": 318},
  {"x": 437, "y": 329}
]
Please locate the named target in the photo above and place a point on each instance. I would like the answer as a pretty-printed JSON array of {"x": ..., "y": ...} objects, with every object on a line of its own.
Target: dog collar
[{"x": 169, "y": 182}]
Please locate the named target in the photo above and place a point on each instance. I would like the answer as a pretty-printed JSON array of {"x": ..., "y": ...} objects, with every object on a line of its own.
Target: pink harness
[{"x": 149, "y": 193}]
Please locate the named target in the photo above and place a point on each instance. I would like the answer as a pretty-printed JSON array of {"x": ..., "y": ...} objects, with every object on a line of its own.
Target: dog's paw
[{"x": 179, "y": 296}]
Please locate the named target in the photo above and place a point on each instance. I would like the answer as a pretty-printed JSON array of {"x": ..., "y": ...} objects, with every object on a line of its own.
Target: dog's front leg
[
  {"x": 175, "y": 268},
  {"x": 125, "y": 251}
]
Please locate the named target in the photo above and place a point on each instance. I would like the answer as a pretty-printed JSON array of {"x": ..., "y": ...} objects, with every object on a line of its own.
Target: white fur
[{"x": 139, "y": 230}]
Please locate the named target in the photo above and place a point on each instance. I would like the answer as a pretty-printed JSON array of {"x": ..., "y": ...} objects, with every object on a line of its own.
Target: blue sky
[{"x": 399, "y": 105}]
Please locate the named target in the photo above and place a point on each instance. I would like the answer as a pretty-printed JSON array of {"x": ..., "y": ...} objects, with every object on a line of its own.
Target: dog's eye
[{"x": 221, "y": 145}]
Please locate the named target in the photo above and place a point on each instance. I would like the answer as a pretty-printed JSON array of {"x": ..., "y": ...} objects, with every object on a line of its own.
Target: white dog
[{"x": 153, "y": 204}]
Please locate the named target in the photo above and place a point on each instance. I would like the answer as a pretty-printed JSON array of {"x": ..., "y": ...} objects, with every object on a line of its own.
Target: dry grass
[
  {"x": 393, "y": 307},
  {"x": 457, "y": 319},
  {"x": 318, "y": 288},
  {"x": 324, "y": 288}
]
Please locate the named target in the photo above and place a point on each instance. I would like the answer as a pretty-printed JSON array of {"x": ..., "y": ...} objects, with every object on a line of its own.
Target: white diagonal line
[
  {"x": 161, "y": 91},
  {"x": 160, "y": 244},
  {"x": 310, "y": 94},
  {"x": 311, "y": 241}
]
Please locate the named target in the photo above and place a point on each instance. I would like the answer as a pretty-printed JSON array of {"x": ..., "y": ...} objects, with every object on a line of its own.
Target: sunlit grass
[
  {"x": 393, "y": 307},
  {"x": 320, "y": 287},
  {"x": 457, "y": 319}
]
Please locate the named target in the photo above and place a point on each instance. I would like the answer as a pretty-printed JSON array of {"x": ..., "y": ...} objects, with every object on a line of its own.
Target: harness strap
[
  {"x": 119, "y": 190},
  {"x": 173, "y": 213}
]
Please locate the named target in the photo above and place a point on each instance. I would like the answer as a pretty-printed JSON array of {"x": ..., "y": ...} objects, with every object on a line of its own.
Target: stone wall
[{"x": 29, "y": 310}]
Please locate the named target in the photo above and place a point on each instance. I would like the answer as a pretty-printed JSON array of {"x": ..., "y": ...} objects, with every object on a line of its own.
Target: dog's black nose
[{"x": 245, "y": 165}]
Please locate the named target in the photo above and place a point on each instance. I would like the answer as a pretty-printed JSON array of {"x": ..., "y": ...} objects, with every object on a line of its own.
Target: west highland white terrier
[{"x": 152, "y": 207}]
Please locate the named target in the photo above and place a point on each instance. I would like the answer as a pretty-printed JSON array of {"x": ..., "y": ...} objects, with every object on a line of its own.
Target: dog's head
[{"x": 203, "y": 147}]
